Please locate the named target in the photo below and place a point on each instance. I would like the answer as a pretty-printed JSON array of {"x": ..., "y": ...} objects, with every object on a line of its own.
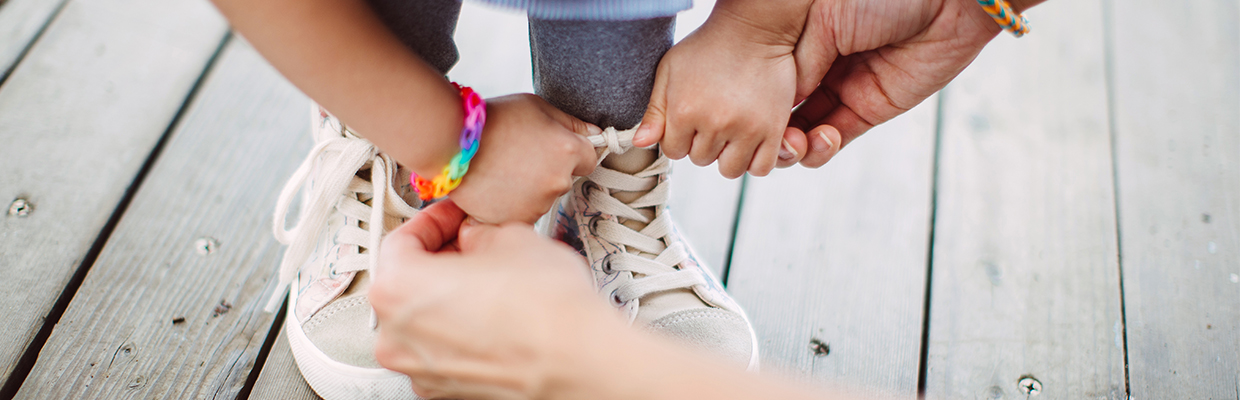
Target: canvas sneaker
[
  {"x": 351, "y": 196},
  {"x": 642, "y": 264}
]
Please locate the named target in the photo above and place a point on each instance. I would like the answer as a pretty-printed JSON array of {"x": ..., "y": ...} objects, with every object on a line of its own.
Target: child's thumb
[
  {"x": 655, "y": 120},
  {"x": 570, "y": 122}
]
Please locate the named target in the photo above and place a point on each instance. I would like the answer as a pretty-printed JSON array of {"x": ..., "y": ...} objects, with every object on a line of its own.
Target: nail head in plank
[
  {"x": 1177, "y": 140},
  {"x": 79, "y": 117},
  {"x": 837, "y": 257},
  {"x": 1026, "y": 278},
  {"x": 215, "y": 181}
]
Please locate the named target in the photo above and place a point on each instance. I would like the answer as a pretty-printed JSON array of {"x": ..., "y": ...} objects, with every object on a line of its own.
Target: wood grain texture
[
  {"x": 280, "y": 378},
  {"x": 20, "y": 23},
  {"x": 1025, "y": 270},
  {"x": 838, "y": 255},
  {"x": 78, "y": 118},
  {"x": 215, "y": 181},
  {"x": 703, "y": 204},
  {"x": 1176, "y": 76}
]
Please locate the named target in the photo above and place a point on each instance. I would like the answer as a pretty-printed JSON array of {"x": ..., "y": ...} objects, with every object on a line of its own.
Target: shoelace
[
  {"x": 340, "y": 188},
  {"x": 661, "y": 273}
]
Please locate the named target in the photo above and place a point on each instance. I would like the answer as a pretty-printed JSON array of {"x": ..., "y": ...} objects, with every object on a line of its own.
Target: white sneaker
[
  {"x": 328, "y": 266},
  {"x": 650, "y": 274}
]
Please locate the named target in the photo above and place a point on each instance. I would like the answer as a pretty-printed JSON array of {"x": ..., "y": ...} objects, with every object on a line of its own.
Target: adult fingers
[
  {"x": 816, "y": 51},
  {"x": 823, "y": 144},
  {"x": 793, "y": 149},
  {"x": 429, "y": 230},
  {"x": 653, "y": 123},
  {"x": 478, "y": 237},
  {"x": 817, "y": 106}
]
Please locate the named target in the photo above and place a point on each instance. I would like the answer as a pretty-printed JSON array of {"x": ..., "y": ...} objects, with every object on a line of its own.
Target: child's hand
[
  {"x": 529, "y": 155},
  {"x": 725, "y": 92}
]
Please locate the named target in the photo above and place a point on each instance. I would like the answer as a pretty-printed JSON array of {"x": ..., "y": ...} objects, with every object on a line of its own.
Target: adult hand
[
  {"x": 861, "y": 63},
  {"x": 496, "y": 312},
  {"x": 529, "y": 155}
]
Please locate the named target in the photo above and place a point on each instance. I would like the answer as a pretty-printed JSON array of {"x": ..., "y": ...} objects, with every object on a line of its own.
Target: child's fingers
[
  {"x": 706, "y": 149},
  {"x": 793, "y": 148},
  {"x": 655, "y": 120},
  {"x": 581, "y": 149},
  {"x": 587, "y": 158},
  {"x": 570, "y": 122},
  {"x": 734, "y": 160},
  {"x": 764, "y": 158}
]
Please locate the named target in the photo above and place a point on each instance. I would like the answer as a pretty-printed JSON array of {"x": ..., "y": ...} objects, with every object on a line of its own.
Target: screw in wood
[
  {"x": 1029, "y": 385},
  {"x": 205, "y": 245},
  {"x": 20, "y": 207},
  {"x": 819, "y": 347}
]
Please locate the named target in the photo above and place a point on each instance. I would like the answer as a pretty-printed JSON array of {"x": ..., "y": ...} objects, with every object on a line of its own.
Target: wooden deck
[{"x": 1085, "y": 234}]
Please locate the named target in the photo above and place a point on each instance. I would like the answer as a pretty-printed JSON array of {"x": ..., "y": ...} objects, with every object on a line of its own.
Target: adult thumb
[
  {"x": 655, "y": 121},
  {"x": 476, "y": 236},
  {"x": 814, "y": 55}
]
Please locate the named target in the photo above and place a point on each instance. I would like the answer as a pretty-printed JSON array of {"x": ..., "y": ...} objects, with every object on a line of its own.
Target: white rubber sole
[{"x": 334, "y": 380}]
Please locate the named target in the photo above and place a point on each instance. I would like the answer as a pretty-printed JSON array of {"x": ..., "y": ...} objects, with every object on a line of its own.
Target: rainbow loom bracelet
[
  {"x": 1003, "y": 14},
  {"x": 450, "y": 177}
]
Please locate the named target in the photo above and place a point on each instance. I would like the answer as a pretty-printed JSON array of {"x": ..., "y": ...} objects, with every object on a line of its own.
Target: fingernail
[
  {"x": 641, "y": 134},
  {"x": 786, "y": 152},
  {"x": 824, "y": 144},
  {"x": 594, "y": 129}
]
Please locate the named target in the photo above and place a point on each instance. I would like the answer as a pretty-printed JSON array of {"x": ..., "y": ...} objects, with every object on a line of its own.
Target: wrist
[
  {"x": 1020, "y": 6},
  {"x": 436, "y": 184},
  {"x": 435, "y": 147},
  {"x": 776, "y": 24}
]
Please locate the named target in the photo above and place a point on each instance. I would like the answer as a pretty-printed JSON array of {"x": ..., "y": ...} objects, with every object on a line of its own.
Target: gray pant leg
[
  {"x": 599, "y": 71},
  {"x": 425, "y": 26}
]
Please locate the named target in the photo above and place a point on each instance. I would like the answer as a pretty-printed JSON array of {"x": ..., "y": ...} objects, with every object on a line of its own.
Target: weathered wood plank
[
  {"x": 280, "y": 378},
  {"x": 1176, "y": 77},
  {"x": 703, "y": 204},
  {"x": 159, "y": 315},
  {"x": 837, "y": 256},
  {"x": 20, "y": 23},
  {"x": 78, "y": 118},
  {"x": 1025, "y": 270}
]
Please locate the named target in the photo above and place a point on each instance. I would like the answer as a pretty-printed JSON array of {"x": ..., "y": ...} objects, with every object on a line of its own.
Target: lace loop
[{"x": 335, "y": 161}]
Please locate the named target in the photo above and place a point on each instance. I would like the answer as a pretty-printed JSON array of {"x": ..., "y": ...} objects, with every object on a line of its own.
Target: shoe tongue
[{"x": 632, "y": 162}]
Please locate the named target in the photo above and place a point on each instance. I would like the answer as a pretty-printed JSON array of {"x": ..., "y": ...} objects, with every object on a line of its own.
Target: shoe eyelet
[
  {"x": 587, "y": 187},
  {"x": 615, "y": 299},
  {"x": 607, "y": 265},
  {"x": 593, "y": 225}
]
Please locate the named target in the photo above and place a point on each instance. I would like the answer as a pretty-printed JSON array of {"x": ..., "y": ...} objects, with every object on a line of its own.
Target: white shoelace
[
  {"x": 337, "y": 186},
  {"x": 661, "y": 273}
]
